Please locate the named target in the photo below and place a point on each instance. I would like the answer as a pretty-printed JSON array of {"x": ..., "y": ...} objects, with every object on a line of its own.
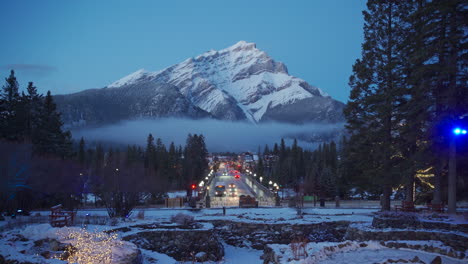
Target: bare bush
[{"x": 298, "y": 248}]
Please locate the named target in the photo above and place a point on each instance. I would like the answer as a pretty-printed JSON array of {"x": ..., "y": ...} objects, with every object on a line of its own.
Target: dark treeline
[
  {"x": 311, "y": 172},
  {"x": 408, "y": 92},
  {"x": 32, "y": 118},
  {"x": 39, "y": 166},
  {"x": 123, "y": 178},
  {"x": 35, "y": 151}
]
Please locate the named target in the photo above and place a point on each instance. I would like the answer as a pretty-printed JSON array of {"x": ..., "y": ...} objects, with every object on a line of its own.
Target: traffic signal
[{"x": 193, "y": 186}]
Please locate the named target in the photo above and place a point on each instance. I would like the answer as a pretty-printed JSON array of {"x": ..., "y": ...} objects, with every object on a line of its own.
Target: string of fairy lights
[{"x": 91, "y": 247}]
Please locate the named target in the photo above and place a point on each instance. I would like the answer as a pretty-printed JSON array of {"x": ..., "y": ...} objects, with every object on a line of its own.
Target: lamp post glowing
[{"x": 452, "y": 177}]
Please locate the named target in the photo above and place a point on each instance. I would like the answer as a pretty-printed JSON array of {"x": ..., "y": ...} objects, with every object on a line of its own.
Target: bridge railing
[
  {"x": 224, "y": 201},
  {"x": 260, "y": 186}
]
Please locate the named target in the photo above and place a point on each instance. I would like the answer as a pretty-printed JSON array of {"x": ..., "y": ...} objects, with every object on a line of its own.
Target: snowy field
[
  {"x": 357, "y": 252},
  {"x": 20, "y": 243},
  {"x": 257, "y": 215}
]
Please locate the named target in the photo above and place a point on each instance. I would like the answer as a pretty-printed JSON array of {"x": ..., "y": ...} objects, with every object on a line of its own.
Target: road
[{"x": 225, "y": 176}]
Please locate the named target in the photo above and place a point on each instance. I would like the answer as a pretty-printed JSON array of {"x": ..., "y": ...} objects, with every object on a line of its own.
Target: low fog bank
[{"x": 219, "y": 135}]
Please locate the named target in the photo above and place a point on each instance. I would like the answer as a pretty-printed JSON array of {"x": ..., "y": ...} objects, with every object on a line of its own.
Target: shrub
[
  {"x": 141, "y": 215},
  {"x": 182, "y": 219},
  {"x": 398, "y": 215}
]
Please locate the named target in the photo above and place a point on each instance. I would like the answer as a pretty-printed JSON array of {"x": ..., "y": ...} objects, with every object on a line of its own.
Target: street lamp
[
  {"x": 270, "y": 182},
  {"x": 261, "y": 178},
  {"x": 452, "y": 177}
]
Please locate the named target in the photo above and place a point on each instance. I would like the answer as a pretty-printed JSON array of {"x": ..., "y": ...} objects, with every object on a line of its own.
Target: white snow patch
[{"x": 129, "y": 79}]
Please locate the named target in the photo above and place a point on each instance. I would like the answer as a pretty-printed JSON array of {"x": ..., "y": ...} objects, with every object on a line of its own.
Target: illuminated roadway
[{"x": 223, "y": 175}]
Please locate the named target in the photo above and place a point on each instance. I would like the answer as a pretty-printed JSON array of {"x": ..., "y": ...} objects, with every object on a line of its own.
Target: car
[
  {"x": 237, "y": 176},
  {"x": 220, "y": 189}
]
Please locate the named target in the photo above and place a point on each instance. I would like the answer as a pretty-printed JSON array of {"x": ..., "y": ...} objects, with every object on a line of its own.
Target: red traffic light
[{"x": 193, "y": 186}]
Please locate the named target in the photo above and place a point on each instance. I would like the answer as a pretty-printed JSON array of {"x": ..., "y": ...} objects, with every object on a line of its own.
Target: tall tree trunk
[
  {"x": 410, "y": 188},
  {"x": 452, "y": 178},
  {"x": 437, "y": 195},
  {"x": 387, "y": 191}
]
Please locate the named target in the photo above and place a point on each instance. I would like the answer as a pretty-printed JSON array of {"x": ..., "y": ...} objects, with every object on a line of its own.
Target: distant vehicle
[
  {"x": 232, "y": 190},
  {"x": 220, "y": 189}
]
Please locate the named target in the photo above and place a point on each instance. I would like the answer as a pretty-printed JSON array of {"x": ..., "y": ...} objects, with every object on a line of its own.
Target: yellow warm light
[
  {"x": 91, "y": 247},
  {"x": 426, "y": 170}
]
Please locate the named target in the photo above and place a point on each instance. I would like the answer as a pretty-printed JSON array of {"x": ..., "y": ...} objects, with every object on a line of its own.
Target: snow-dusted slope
[{"x": 239, "y": 82}]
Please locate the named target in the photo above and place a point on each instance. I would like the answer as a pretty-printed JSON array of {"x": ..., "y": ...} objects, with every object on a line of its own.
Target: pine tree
[
  {"x": 33, "y": 101},
  {"x": 172, "y": 163},
  {"x": 442, "y": 26},
  {"x": 11, "y": 89},
  {"x": 49, "y": 139},
  {"x": 10, "y": 123},
  {"x": 150, "y": 152},
  {"x": 81, "y": 152},
  {"x": 377, "y": 92},
  {"x": 266, "y": 150}
]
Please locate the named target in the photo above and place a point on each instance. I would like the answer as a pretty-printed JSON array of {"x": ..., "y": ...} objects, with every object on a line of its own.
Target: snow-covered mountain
[{"x": 237, "y": 83}]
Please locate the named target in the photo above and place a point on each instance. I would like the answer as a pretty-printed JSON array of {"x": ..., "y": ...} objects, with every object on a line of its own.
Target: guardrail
[
  {"x": 260, "y": 186},
  {"x": 216, "y": 202}
]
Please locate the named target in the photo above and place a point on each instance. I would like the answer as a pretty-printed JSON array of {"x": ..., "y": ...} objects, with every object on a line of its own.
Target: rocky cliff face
[{"x": 237, "y": 83}]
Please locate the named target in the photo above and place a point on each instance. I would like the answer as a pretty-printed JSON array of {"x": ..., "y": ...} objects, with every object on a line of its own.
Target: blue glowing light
[{"x": 457, "y": 131}]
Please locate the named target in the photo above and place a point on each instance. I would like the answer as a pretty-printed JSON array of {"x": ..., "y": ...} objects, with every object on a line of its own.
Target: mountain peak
[
  {"x": 128, "y": 79},
  {"x": 240, "y": 82},
  {"x": 242, "y": 45}
]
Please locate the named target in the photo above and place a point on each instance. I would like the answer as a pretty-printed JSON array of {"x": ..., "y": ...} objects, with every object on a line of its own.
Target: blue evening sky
[{"x": 69, "y": 46}]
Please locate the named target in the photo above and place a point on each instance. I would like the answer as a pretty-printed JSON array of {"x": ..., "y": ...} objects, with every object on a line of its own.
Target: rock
[
  {"x": 415, "y": 260},
  {"x": 201, "y": 256},
  {"x": 45, "y": 254},
  {"x": 437, "y": 260},
  {"x": 179, "y": 244},
  {"x": 54, "y": 245}
]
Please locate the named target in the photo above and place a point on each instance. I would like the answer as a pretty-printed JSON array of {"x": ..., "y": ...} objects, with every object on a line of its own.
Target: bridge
[{"x": 236, "y": 184}]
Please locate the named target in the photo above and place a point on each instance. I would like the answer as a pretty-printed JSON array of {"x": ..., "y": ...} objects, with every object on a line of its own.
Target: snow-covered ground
[
  {"x": 257, "y": 215},
  {"x": 357, "y": 252},
  {"x": 12, "y": 246}
]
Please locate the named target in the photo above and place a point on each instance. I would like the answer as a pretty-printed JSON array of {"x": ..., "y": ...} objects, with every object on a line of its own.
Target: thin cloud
[
  {"x": 219, "y": 135},
  {"x": 39, "y": 70}
]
